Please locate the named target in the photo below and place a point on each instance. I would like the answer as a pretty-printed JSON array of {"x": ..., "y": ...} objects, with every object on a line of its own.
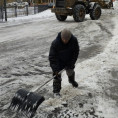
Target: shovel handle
[{"x": 46, "y": 82}]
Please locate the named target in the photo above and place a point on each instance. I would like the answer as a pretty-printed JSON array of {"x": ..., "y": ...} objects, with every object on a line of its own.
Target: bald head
[{"x": 66, "y": 34}]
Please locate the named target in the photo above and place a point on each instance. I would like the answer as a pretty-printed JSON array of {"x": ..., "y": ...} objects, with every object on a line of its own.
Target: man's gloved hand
[
  {"x": 56, "y": 75},
  {"x": 70, "y": 67}
]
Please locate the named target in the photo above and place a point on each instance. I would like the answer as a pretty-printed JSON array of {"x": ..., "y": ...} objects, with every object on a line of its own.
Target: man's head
[{"x": 65, "y": 35}]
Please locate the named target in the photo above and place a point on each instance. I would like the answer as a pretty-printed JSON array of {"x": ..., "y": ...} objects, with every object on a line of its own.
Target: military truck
[{"x": 79, "y": 8}]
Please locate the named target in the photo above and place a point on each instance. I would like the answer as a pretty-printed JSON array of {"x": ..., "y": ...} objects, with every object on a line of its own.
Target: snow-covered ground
[
  {"x": 47, "y": 13},
  {"x": 24, "y": 64},
  {"x": 30, "y": 18}
]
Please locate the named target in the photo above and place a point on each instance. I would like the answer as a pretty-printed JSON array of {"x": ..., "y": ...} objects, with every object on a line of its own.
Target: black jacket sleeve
[
  {"x": 75, "y": 53},
  {"x": 53, "y": 58},
  {"x": 76, "y": 50}
]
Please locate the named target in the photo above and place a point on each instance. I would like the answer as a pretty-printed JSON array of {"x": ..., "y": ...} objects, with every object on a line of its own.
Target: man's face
[{"x": 65, "y": 41}]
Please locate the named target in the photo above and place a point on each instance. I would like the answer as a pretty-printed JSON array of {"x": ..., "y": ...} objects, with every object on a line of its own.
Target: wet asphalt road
[{"x": 24, "y": 60}]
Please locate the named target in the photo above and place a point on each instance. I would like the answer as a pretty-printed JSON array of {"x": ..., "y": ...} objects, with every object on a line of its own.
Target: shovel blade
[
  {"x": 31, "y": 103},
  {"x": 27, "y": 102},
  {"x": 18, "y": 99}
]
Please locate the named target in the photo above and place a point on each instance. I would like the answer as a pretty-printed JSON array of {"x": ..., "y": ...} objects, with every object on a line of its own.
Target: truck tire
[
  {"x": 79, "y": 13},
  {"x": 95, "y": 13},
  {"x": 61, "y": 17}
]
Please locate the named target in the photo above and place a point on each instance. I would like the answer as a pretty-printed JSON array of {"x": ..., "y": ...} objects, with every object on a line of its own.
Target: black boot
[
  {"x": 72, "y": 80},
  {"x": 57, "y": 85}
]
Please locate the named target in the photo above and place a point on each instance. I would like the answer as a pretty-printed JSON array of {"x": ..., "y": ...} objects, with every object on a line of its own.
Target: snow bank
[
  {"x": 90, "y": 73},
  {"x": 48, "y": 14},
  {"x": 115, "y": 4},
  {"x": 42, "y": 15},
  {"x": 93, "y": 75}
]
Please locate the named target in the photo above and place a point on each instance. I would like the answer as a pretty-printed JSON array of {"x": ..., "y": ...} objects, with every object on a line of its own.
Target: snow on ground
[
  {"x": 97, "y": 75},
  {"x": 44, "y": 14},
  {"x": 97, "y": 69},
  {"x": 26, "y": 19},
  {"x": 115, "y": 8},
  {"x": 116, "y": 5},
  {"x": 41, "y": 15}
]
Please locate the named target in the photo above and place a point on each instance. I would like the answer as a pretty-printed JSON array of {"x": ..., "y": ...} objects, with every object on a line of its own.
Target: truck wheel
[
  {"x": 79, "y": 13},
  {"x": 61, "y": 17},
  {"x": 95, "y": 13}
]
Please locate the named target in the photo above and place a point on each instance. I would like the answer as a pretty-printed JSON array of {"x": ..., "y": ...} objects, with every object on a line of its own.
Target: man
[{"x": 63, "y": 54}]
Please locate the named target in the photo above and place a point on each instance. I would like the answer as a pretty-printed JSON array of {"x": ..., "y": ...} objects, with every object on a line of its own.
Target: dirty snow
[{"x": 97, "y": 76}]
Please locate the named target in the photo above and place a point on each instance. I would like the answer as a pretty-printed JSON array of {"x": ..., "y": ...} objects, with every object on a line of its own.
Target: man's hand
[
  {"x": 56, "y": 73},
  {"x": 70, "y": 67}
]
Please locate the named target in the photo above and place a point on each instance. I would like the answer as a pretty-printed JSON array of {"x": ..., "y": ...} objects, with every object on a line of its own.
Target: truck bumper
[{"x": 62, "y": 11}]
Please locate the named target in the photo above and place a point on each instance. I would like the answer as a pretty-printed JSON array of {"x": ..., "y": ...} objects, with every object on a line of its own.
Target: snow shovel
[{"x": 27, "y": 102}]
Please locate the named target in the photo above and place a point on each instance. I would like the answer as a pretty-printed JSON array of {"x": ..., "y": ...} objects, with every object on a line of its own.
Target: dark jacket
[{"x": 63, "y": 55}]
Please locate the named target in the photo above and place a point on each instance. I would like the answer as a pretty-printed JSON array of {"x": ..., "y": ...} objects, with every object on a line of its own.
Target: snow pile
[
  {"x": 47, "y": 14},
  {"x": 17, "y": 4},
  {"x": 42, "y": 15},
  {"x": 95, "y": 75},
  {"x": 115, "y": 4}
]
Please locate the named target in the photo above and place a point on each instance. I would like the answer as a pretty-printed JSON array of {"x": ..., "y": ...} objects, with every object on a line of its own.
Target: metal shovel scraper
[{"x": 27, "y": 102}]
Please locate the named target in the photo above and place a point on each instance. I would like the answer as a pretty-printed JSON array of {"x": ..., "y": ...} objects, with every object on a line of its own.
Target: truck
[{"x": 79, "y": 8}]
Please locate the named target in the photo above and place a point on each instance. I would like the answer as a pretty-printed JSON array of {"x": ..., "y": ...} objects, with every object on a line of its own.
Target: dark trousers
[{"x": 57, "y": 80}]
